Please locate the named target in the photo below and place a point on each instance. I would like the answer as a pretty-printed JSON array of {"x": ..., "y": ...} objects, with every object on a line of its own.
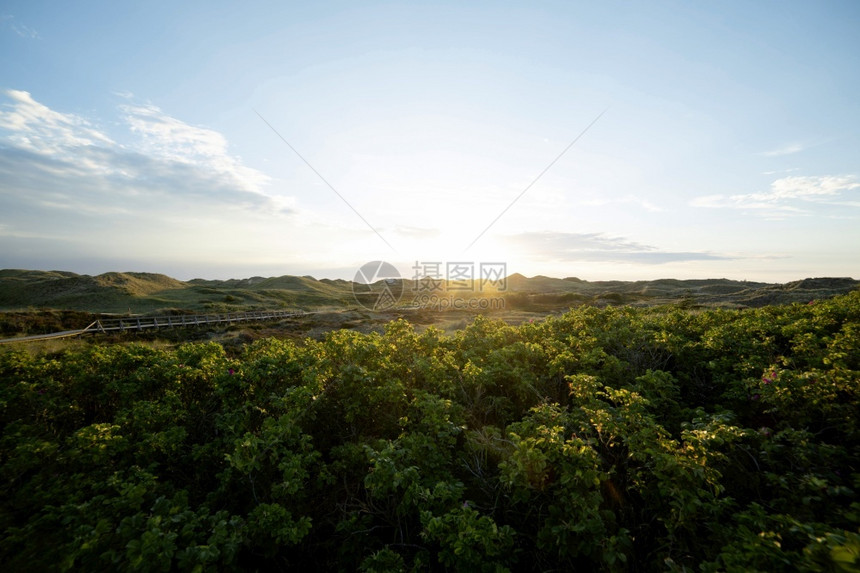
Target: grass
[{"x": 150, "y": 293}]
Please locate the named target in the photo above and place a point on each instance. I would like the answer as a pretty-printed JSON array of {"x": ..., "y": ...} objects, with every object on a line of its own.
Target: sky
[{"x": 601, "y": 140}]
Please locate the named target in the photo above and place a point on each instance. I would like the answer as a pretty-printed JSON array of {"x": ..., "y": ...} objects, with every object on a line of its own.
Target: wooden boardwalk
[{"x": 139, "y": 323}]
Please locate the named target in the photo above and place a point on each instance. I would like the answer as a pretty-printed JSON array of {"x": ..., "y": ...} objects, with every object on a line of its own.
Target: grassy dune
[{"x": 141, "y": 293}]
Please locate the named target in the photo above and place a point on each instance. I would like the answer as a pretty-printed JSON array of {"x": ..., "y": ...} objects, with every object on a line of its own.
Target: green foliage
[
  {"x": 608, "y": 439},
  {"x": 469, "y": 541}
]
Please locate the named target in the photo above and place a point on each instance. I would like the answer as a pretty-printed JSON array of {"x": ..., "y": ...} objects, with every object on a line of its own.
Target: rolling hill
[{"x": 137, "y": 293}]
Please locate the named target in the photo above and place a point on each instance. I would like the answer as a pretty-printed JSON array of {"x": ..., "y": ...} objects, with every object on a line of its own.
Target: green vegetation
[
  {"x": 148, "y": 293},
  {"x": 609, "y": 439}
]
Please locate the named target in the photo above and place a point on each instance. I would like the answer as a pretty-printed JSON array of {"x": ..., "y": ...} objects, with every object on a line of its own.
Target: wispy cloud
[
  {"x": 787, "y": 149},
  {"x": 625, "y": 200},
  {"x": 597, "y": 247},
  {"x": 9, "y": 22},
  {"x": 787, "y": 196},
  {"x": 419, "y": 233},
  {"x": 14, "y": 232}
]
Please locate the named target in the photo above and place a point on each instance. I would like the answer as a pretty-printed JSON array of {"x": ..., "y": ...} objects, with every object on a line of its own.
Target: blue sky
[{"x": 132, "y": 137}]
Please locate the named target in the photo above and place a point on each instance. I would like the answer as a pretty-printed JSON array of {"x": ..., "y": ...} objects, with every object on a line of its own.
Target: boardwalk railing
[
  {"x": 137, "y": 323},
  {"x": 145, "y": 322}
]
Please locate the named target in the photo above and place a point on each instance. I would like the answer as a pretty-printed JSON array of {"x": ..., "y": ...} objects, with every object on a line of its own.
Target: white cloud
[
  {"x": 36, "y": 127},
  {"x": 46, "y": 153},
  {"x": 70, "y": 193},
  {"x": 787, "y": 196},
  {"x": 174, "y": 140},
  {"x": 810, "y": 188}
]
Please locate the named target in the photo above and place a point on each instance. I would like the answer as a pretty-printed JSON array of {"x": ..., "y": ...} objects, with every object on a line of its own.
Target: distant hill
[
  {"x": 701, "y": 292},
  {"x": 78, "y": 292},
  {"x": 146, "y": 292},
  {"x": 137, "y": 293}
]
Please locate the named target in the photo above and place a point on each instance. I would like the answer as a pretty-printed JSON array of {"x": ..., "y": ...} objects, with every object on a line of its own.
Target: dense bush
[{"x": 605, "y": 439}]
